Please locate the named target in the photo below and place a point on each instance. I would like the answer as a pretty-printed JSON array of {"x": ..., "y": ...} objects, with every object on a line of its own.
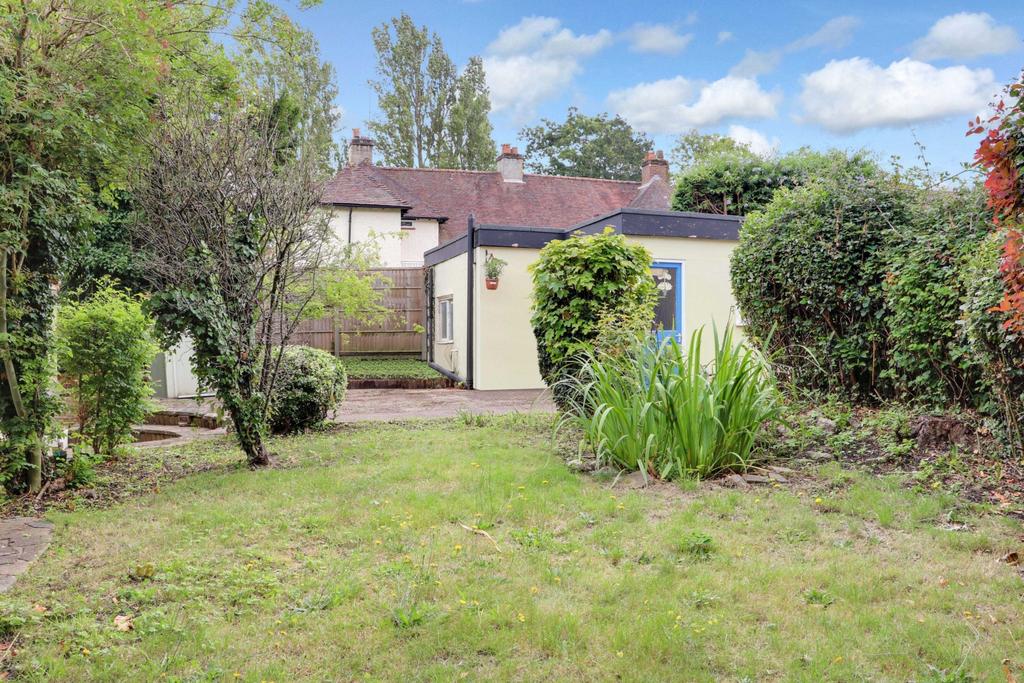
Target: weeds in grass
[
  {"x": 697, "y": 545},
  {"x": 816, "y": 596},
  {"x": 656, "y": 408}
]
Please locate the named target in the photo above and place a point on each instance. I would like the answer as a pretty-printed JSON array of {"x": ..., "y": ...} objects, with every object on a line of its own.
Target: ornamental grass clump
[{"x": 657, "y": 409}]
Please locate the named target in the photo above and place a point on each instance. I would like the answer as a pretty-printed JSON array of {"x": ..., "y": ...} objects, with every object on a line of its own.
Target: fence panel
[{"x": 397, "y": 334}]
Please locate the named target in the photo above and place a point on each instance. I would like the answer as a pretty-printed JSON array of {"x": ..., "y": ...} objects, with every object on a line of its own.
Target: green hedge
[{"x": 808, "y": 276}]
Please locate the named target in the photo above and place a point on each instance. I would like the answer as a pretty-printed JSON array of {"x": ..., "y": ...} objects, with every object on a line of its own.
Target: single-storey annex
[{"x": 483, "y": 337}]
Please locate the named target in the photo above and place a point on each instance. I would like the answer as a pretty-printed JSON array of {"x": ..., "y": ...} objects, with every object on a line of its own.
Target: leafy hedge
[
  {"x": 808, "y": 275},
  {"x": 578, "y": 281},
  {"x": 740, "y": 183},
  {"x": 930, "y": 359},
  {"x": 999, "y": 351},
  {"x": 310, "y": 384}
]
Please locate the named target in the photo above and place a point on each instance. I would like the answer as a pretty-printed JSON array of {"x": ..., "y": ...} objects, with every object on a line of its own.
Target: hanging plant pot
[{"x": 491, "y": 282}]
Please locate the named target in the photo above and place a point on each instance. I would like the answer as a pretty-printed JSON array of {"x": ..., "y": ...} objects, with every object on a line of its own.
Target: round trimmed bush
[{"x": 310, "y": 384}]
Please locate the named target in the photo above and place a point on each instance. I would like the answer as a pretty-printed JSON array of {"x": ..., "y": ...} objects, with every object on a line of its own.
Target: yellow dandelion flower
[
  {"x": 545, "y": 481},
  {"x": 458, "y": 547},
  {"x": 522, "y": 617},
  {"x": 620, "y": 653},
  {"x": 818, "y": 501},
  {"x": 534, "y": 590}
]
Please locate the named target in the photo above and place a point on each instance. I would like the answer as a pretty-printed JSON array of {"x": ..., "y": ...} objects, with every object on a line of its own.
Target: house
[
  {"x": 413, "y": 210},
  {"x": 443, "y": 223}
]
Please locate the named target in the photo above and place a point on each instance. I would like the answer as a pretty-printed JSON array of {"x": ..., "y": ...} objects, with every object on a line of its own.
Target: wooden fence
[{"x": 397, "y": 335}]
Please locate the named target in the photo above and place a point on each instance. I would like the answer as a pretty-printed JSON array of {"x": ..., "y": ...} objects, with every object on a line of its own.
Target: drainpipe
[
  {"x": 470, "y": 281},
  {"x": 350, "y": 225}
]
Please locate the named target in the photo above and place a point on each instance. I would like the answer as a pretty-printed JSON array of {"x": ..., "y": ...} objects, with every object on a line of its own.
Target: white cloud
[
  {"x": 724, "y": 37},
  {"x": 756, "y": 63},
  {"x": 851, "y": 94},
  {"x": 834, "y": 33},
  {"x": 754, "y": 141},
  {"x": 674, "y": 105},
  {"x": 964, "y": 36},
  {"x": 535, "y": 60},
  {"x": 657, "y": 38}
]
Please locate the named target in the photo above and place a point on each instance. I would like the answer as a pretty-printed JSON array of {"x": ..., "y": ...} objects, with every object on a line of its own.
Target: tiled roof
[{"x": 450, "y": 195}]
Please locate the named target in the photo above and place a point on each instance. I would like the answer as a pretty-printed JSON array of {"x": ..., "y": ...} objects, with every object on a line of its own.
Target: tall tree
[
  {"x": 586, "y": 146},
  {"x": 77, "y": 83},
  {"x": 693, "y": 147},
  {"x": 234, "y": 237},
  {"x": 431, "y": 116}
]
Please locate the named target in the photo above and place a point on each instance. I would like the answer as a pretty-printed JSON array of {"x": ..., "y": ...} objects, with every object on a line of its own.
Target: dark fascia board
[
  {"x": 654, "y": 223},
  {"x": 637, "y": 222},
  {"x": 363, "y": 205},
  {"x": 448, "y": 250},
  {"x": 516, "y": 236}
]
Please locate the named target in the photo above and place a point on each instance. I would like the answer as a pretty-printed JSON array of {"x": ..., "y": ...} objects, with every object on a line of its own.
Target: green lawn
[
  {"x": 353, "y": 561},
  {"x": 370, "y": 367}
]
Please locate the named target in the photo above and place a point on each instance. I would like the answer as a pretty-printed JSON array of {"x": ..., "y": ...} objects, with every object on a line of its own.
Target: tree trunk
[
  {"x": 250, "y": 435},
  {"x": 35, "y": 472}
]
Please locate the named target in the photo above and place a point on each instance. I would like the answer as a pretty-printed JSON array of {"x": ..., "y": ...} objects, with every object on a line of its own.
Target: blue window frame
[{"x": 668, "y": 312}]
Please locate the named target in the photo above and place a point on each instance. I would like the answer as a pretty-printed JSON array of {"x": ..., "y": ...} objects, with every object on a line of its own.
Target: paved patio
[
  {"x": 381, "y": 405},
  {"x": 22, "y": 539}
]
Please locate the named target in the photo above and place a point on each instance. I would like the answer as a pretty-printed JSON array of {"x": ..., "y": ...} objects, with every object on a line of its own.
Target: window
[{"x": 445, "y": 321}]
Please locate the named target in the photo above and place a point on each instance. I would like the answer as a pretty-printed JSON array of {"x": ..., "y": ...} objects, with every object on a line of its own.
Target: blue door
[{"x": 668, "y": 312}]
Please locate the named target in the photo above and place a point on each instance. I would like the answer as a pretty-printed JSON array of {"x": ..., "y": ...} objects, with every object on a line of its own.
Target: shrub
[
  {"x": 657, "y": 409},
  {"x": 105, "y": 350},
  {"x": 577, "y": 281},
  {"x": 740, "y": 182},
  {"x": 311, "y": 383},
  {"x": 999, "y": 349},
  {"x": 929, "y": 358},
  {"x": 808, "y": 275}
]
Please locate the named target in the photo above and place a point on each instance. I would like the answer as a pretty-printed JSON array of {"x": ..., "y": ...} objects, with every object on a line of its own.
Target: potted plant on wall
[{"x": 492, "y": 270}]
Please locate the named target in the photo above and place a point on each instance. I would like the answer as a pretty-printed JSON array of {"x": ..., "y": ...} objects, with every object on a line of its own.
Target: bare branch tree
[{"x": 234, "y": 239}]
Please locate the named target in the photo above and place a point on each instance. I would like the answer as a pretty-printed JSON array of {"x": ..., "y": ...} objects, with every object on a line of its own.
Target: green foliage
[
  {"x": 494, "y": 266},
  {"x": 657, "y": 409},
  {"x": 586, "y": 146},
  {"x": 105, "y": 350},
  {"x": 929, "y": 359},
  {"x": 999, "y": 350},
  {"x": 697, "y": 545},
  {"x": 577, "y": 281},
  {"x": 104, "y": 250},
  {"x": 739, "y": 182},
  {"x": 431, "y": 116},
  {"x": 694, "y": 147},
  {"x": 310, "y": 384},
  {"x": 808, "y": 276}
]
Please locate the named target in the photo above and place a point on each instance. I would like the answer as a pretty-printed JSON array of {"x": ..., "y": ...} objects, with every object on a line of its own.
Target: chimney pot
[
  {"x": 360, "y": 150},
  {"x": 654, "y": 165},
  {"x": 510, "y": 164}
]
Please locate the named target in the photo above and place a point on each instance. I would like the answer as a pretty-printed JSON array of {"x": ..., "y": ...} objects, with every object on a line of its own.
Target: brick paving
[{"x": 22, "y": 539}]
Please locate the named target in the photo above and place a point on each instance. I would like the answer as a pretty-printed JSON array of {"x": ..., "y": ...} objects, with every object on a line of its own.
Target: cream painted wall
[
  {"x": 450, "y": 280},
  {"x": 422, "y": 236},
  {"x": 505, "y": 351},
  {"x": 398, "y": 247},
  {"x": 707, "y": 288}
]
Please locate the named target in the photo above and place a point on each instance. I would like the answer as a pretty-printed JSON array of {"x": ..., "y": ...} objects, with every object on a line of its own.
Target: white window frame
[{"x": 445, "y": 320}]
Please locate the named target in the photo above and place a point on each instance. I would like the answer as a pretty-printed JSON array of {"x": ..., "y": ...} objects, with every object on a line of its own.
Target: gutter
[{"x": 470, "y": 282}]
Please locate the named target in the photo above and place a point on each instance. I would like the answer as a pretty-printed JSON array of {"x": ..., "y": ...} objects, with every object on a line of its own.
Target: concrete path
[
  {"x": 22, "y": 539},
  {"x": 369, "y": 405}
]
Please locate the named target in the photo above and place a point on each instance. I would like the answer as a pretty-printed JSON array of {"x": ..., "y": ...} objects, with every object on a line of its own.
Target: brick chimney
[
  {"x": 653, "y": 165},
  {"x": 510, "y": 164},
  {"x": 360, "y": 149}
]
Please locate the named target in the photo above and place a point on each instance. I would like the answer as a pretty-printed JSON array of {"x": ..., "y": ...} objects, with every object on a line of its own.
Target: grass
[
  {"x": 395, "y": 367},
  {"x": 441, "y": 551}
]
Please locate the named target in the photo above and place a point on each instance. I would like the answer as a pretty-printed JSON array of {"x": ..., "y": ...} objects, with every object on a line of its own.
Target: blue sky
[{"x": 778, "y": 75}]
